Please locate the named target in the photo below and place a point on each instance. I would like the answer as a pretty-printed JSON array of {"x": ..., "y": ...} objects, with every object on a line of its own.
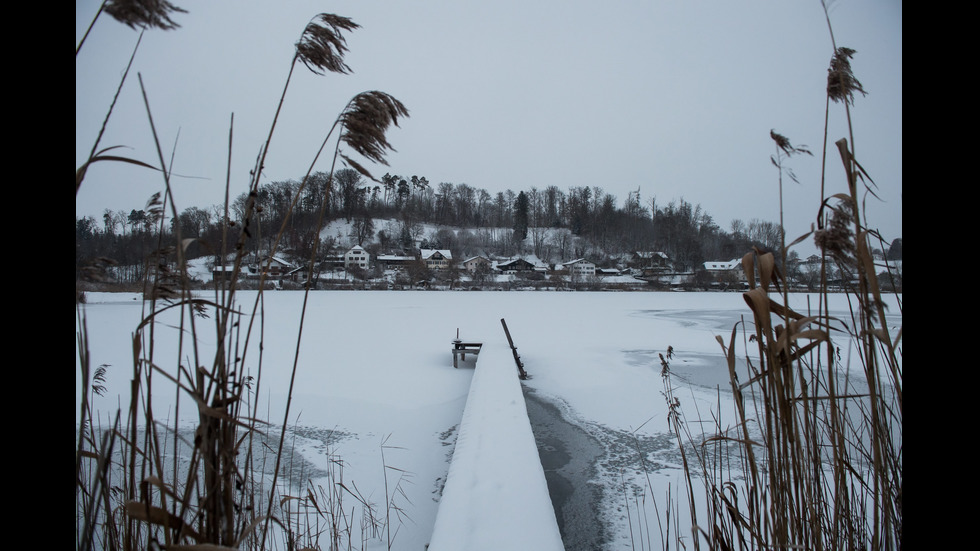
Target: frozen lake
[{"x": 375, "y": 367}]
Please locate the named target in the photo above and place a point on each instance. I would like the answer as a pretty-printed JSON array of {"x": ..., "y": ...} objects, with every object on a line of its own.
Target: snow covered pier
[
  {"x": 461, "y": 348},
  {"x": 496, "y": 496}
]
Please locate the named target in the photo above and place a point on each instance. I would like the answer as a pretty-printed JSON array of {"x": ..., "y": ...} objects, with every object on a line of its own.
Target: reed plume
[
  {"x": 837, "y": 237},
  {"x": 365, "y": 122},
  {"x": 143, "y": 14},
  {"x": 322, "y": 46},
  {"x": 783, "y": 143},
  {"x": 841, "y": 82}
]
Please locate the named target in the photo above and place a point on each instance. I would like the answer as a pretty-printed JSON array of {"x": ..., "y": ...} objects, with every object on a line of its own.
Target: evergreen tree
[{"x": 520, "y": 217}]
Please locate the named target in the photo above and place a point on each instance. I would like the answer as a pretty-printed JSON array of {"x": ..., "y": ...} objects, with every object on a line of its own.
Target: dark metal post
[{"x": 517, "y": 358}]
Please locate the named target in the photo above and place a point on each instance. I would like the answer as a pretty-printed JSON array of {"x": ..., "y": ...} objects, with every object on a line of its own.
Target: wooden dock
[
  {"x": 461, "y": 349},
  {"x": 496, "y": 494}
]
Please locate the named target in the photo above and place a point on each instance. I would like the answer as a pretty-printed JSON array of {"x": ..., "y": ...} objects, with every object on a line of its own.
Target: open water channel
[
  {"x": 569, "y": 456},
  {"x": 580, "y": 459}
]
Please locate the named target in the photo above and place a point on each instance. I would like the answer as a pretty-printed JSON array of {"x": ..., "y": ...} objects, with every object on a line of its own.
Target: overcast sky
[{"x": 675, "y": 98}]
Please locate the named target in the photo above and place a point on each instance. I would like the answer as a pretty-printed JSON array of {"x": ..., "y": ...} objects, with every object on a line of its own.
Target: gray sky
[{"x": 674, "y": 97}]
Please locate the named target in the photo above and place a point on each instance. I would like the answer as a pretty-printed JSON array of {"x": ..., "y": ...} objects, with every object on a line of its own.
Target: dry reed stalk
[
  {"x": 364, "y": 123},
  {"x": 819, "y": 453},
  {"x": 212, "y": 499},
  {"x": 821, "y": 458},
  {"x": 143, "y": 14}
]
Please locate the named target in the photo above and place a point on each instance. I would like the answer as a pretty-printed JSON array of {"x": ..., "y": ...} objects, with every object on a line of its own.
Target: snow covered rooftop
[
  {"x": 427, "y": 253},
  {"x": 718, "y": 265}
]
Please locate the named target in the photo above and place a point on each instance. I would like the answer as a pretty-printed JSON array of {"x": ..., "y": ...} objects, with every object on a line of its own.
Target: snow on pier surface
[{"x": 496, "y": 496}]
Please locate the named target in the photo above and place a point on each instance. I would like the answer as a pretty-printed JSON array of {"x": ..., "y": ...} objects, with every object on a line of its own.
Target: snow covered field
[{"x": 376, "y": 369}]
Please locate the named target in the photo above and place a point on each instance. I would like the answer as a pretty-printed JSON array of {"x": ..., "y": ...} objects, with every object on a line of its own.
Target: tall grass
[
  {"x": 813, "y": 457},
  {"x": 143, "y": 479}
]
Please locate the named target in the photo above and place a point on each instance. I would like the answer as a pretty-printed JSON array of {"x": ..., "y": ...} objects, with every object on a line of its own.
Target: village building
[
  {"x": 473, "y": 264},
  {"x": 357, "y": 257},
  {"x": 274, "y": 268},
  {"x": 332, "y": 262},
  {"x": 436, "y": 259},
  {"x": 607, "y": 272},
  {"x": 394, "y": 260},
  {"x": 222, "y": 273},
  {"x": 649, "y": 260},
  {"x": 514, "y": 266},
  {"x": 579, "y": 267},
  {"x": 722, "y": 271}
]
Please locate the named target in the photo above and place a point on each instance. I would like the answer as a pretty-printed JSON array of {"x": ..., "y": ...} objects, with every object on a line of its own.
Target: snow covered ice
[{"x": 375, "y": 367}]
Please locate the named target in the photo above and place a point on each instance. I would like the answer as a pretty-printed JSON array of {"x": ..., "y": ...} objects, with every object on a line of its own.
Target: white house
[
  {"x": 579, "y": 267},
  {"x": 729, "y": 268},
  {"x": 357, "y": 257}
]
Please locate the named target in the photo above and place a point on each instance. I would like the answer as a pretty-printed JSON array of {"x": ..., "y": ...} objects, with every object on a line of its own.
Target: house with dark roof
[
  {"x": 514, "y": 266},
  {"x": 392, "y": 261},
  {"x": 649, "y": 260}
]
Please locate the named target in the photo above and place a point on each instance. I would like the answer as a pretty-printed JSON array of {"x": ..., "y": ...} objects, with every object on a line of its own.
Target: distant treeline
[{"x": 554, "y": 224}]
